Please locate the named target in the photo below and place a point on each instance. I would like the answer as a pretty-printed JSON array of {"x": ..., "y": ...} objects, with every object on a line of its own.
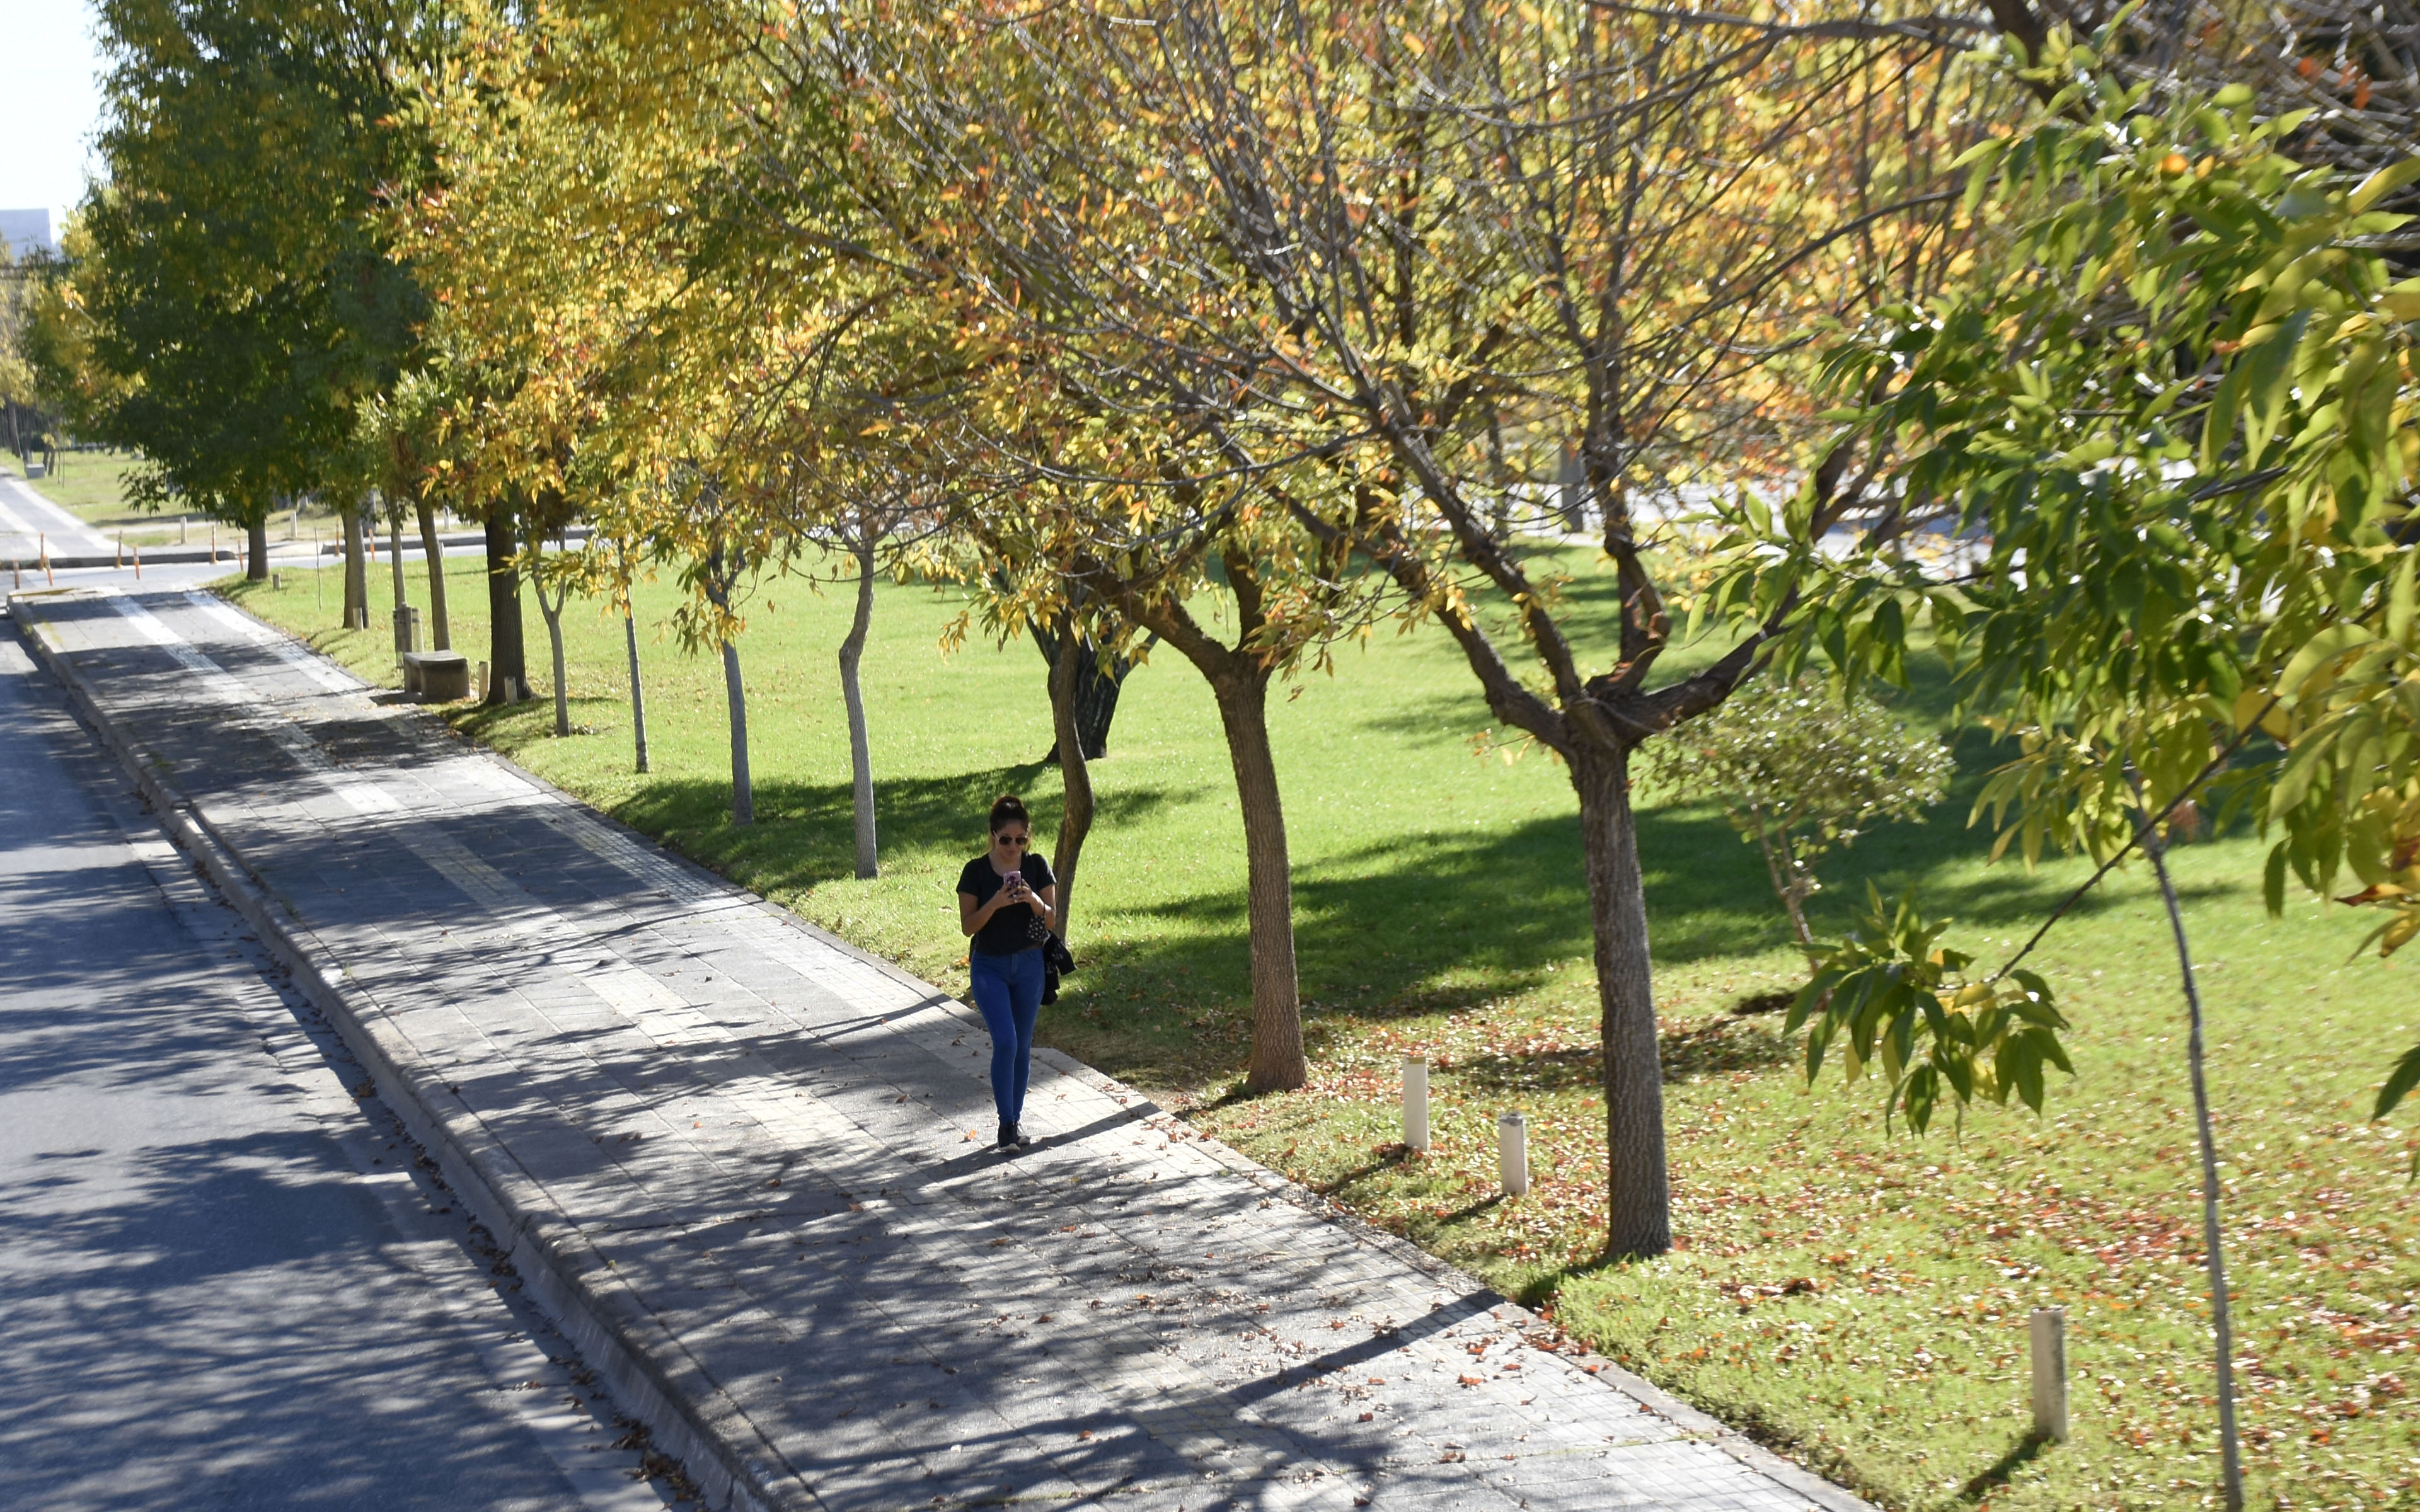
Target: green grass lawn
[{"x": 1851, "y": 1295}]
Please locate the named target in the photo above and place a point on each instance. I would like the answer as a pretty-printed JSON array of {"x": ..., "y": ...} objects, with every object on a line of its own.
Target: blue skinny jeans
[{"x": 1008, "y": 992}]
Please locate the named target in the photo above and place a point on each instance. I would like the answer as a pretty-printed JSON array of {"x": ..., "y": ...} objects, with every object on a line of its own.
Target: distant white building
[{"x": 27, "y": 232}]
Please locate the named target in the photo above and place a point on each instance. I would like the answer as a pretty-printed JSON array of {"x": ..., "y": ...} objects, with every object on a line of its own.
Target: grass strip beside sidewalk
[{"x": 1854, "y": 1296}]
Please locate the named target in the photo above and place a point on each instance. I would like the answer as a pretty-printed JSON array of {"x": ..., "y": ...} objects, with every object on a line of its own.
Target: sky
[{"x": 50, "y": 103}]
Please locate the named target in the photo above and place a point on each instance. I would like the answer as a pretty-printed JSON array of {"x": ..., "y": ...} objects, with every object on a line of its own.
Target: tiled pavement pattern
[{"x": 777, "y": 1152}]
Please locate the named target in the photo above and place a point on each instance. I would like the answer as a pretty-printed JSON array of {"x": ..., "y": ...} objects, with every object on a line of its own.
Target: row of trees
[
  {"x": 1278, "y": 309},
  {"x": 22, "y": 422},
  {"x": 1236, "y": 330}
]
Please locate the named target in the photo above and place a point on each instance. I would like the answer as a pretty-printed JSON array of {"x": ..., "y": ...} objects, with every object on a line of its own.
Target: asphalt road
[{"x": 224, "y": 1280}]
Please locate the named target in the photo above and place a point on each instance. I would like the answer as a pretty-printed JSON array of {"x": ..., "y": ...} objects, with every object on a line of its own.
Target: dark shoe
[
  {"x": 1023, "y": 1138},
  {"x": 1010, "y": 1139}
]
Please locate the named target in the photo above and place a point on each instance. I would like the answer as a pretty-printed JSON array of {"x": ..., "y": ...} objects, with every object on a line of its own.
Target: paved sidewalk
[
  {"x": 750, "y": 1167},
  {"x": 27, "y": 520}
]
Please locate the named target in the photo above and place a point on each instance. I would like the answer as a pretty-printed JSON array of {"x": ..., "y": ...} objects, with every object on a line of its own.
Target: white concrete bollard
[
  {"x": 1512, "y": 1152},
  {"x": 2050, "y": 1374},
  {"x": 1416, "y": 1104}
]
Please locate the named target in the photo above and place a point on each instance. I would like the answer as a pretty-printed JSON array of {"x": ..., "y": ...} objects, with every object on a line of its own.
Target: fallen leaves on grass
[{"x": 1865, "y": 1297}]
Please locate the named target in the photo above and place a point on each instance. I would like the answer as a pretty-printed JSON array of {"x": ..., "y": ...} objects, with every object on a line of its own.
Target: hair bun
[{"x": 1008, "y": 808}]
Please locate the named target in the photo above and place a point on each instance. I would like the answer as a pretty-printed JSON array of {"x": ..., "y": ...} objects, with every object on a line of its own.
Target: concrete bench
[{"x": 436, "y": 676}]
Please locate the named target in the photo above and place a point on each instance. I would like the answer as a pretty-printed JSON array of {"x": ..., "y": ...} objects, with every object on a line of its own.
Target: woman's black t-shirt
[{"x": 1007, "y": 932}]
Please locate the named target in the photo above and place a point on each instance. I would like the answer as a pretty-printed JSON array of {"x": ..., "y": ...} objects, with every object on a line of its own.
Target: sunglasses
[{"x": 1010, "y": 840}]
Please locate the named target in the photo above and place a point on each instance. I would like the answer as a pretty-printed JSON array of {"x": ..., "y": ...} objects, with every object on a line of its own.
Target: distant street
[
  {"x": 222, "y": 1282},
  {"x": 30, "y": 523}
]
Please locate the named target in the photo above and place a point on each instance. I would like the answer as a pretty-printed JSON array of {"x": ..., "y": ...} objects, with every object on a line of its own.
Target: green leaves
[
  {"x": 231, "y": 283},
  {"x": 2399, "y": 1082},
  {"x": 1888, "y": 995},
  {"x": 2173, "y": 419},
  {"x": 2383, "y": 182},
  {"x": 2170, "y": 394},
  {"x": 1797, "y": 770}
]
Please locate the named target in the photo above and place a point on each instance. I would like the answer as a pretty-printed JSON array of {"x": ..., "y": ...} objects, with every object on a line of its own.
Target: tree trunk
[
  {"x": 1096, "y": 702},
  {"x": 394, "y": 561},
  {"x": 1788, "y": 884},
  {"x": 1097, "y": 693},
  {"x": 508, "y": 655},
  {"x": 256, "y": 538},
  {"x": 552, "y": 611},
  {"x": 1794, "y": 901},
  {"x": 743, "y": 796},
  {"x": 2213, "y": 1231},
  {"x": 1075, "y": 772},
  {"x": 357, "y": 572},
  {"x": 440, "y": 635},
  {"x": 860, "y": 757},
  {"x": 1639, "y": 1200},
  {"x": 637, "y": 697},
  {"x": 1277, "y": 1058}
]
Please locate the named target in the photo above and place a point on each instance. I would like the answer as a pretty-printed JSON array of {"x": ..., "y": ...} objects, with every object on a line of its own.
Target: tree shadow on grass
[
  {"x": 1540, "y": 1289},
  {"x": 1709, "y": 1047},
  {"x": 1420, "y": 925},
  {"x": 1467, "y": 1211},
  {"x": 1432, "y": 924},
  {"x": 1943, "y": 855},
  {"x": 1385, "y": 1158},
  {"x": 1722, "y": 1045},
  {"x": 803, "y": 833},
  {"x": 2022, "y": 1453}
]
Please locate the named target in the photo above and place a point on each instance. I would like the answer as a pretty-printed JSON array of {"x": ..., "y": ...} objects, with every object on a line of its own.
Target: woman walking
[{"x": 1005, "y": 901}]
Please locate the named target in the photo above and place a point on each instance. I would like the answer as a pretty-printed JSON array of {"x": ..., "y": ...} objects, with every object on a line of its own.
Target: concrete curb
[{"x": 649, "y": 1370}]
